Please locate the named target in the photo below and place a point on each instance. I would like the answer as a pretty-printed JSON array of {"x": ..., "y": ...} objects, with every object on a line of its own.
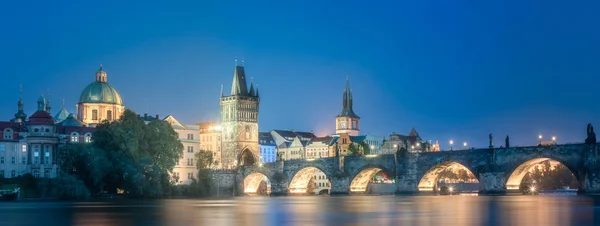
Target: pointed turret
[
  {"x": 238, "y": 86},
  {"x": 48, "y": 107},
  {"x": 20, "y": 116},
  {"x": 257, "y": 92},
  {"x": 347, "y": 102},
  {"x": 413, "y": 132},
  {"x": 41, "y": 103},
  {"x": 251, "y": 93}
]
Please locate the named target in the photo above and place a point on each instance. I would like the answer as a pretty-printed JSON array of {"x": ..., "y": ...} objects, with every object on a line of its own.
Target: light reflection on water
[{"x": 545, "y": 210}]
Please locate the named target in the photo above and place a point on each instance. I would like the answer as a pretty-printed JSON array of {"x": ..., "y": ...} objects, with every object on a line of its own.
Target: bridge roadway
[{"x": 499, "y": 170}]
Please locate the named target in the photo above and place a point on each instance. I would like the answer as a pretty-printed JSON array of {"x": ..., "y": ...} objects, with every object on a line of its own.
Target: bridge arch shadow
[
  {"x": 257, "y": 184},
  {"x": 304, "y": 181},
  {"x": 514, "y": 181},
  {"x": 429, "y": 181},
  {"x": 361, "y": 181}
]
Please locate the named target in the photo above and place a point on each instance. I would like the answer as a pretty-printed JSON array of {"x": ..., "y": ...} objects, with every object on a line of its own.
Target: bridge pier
[
  {"x": 340, "y": 185},
  {"x": 492, "y": 183}
]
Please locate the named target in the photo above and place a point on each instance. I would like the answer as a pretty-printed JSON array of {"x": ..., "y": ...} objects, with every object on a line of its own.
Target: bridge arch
[
  {"x": 302, "y": 179},
  {"x": 514, "y": 180},
  {"x": 429, "y": 181},
  {"x": 257, "y": 184},
  {"x": 361, "y": 180}
]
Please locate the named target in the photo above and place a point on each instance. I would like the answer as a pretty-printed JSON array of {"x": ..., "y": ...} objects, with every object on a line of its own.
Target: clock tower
[{"x": 347, "y": 122}]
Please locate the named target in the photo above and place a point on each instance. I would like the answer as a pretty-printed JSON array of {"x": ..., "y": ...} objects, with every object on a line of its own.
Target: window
[
  {"x": 190, "y": 175},
  {"x": 2, "y": 147},
  {"x": 23, "y": 160},
  {"x": 8, "y": 134},
  {"x": 47, "y": 130},
  {"x": 47, "y": 173},
  {"x": 109, "y": 115},
  {"x": 353, "y": 124},
  {"x": 88, "y": 138},
  {"x": 190, "y": 136},
  {"x": 36, "y": 173},
  {"x": 14, "y": 160},
  {"x": 36, "y": 130},
  {"x": 47, "y": 156},
  {"x": 1, "y": 173},
  {"x": 13, "y": 173},
  {"x": 74, "y": 137},
  {"x": 24, "y": 147},
  {"x": 190, "y": 149},
  {"x": 36, "y": 154},
  {"x": 1, "y": 160},
  {"x": 94, "y": 114}
]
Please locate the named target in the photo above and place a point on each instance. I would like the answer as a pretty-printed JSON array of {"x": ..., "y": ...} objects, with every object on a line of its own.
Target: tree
[
  {"x": 353, "y": 150},
  {"x": 204, "y": 159},
  {"x": 364, "y": 148}
]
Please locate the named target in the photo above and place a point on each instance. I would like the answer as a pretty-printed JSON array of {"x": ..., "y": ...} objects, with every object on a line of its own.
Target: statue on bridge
[
  {"x": 507, "y": 142},
  {"x": 591, "y": 136},
  {"x": 491, "y": 141}
]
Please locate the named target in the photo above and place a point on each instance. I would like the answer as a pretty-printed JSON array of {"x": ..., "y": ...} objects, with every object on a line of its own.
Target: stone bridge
[{"x": 498, "y": 170}]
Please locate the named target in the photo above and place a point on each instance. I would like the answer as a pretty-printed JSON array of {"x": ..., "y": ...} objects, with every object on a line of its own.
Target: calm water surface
[{"x": 547, "y": 210}]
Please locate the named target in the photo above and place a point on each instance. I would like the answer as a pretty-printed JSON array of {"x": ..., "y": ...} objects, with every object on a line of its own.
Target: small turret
[
  {"x": 20, "y": 116},
  {"x": 41, "y": 103}
]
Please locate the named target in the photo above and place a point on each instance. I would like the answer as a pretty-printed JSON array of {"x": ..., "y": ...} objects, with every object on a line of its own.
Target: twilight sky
[{"x": 452, "y": 69}]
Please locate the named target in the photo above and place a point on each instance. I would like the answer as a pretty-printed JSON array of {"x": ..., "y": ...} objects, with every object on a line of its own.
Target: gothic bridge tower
[{"x": 239, "y": 120}]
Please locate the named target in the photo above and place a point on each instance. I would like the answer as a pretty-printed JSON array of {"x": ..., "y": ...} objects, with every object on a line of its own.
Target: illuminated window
[
  {"x": 74, "y": 137},
  {"x": 24, "y": 147},
  {"x": 2, "y": 147},
  {"x": 88, "y": 138},
  {"x": 94, "y": 114}
]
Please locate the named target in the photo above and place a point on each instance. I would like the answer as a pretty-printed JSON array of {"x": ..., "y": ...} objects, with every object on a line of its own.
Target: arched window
[
  {"x": 74, "y": 137},
  {"x": 94, "y": 114},
  {"x": 109, "y": 115},
  {"x": 47, "y": 173},
  {"x": 36, "y": 173},
  {"x": 8, "y": 134},
  {"x": 88, "y": 138}
]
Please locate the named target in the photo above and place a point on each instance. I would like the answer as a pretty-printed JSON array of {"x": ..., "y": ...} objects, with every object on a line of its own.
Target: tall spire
[
  {"x": 48, "y": 107},
  {"x": 239, "y": 85},
  {"x": 221, "y": 90},
  {"x": 347, "y": 102},
  {"x": 20, "y": 116},
  {"x": 41, "y": 103}
]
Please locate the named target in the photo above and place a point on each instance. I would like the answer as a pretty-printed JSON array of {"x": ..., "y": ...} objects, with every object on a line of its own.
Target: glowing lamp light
[
  {"x": 451, "y": 142},
  {"x": 540, "y": 136},
  {"x": 532, "y": 189},
  {"x": 451, "y": 189},
  {"x": 554, "y": 138}
]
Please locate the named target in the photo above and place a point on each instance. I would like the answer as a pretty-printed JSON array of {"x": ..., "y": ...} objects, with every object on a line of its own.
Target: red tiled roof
[{"x": 41, "y": 118}]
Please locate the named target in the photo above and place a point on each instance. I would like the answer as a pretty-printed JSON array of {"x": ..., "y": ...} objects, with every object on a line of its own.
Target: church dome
[{"x": 100, "y": 91}]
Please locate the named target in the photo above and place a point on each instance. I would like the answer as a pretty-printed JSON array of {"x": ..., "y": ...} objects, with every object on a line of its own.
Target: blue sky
[{"x": 454, "y": 70}]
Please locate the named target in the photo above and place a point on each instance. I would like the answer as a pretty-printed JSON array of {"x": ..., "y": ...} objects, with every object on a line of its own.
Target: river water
[{"x": 546, "y": 210}]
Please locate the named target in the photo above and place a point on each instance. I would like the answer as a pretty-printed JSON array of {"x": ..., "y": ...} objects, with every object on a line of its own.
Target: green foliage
[
  {"x": 65, "y": 187},
  {"x": 126, "y": 154},
  {"x": 353, "y": 150},
  {"x": 204, "y": 159},
  {"x": 546, "y": 177}
]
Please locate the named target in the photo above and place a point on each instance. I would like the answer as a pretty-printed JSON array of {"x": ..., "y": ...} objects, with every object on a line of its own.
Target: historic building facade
[
  {"x": 267, "y": 147},
  {"x": 30, "y": 144},
  {"x": 210, "y": 140},
  {"x": 99, "y": 101},
  {"x": 239, "y": 121}
]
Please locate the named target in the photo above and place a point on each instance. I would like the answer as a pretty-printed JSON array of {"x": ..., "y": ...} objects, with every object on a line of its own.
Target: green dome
[{"x": 100, "y": 92}]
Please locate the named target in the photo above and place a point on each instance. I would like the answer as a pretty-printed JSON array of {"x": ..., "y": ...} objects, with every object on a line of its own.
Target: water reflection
[{"x": 350, "y": 210}]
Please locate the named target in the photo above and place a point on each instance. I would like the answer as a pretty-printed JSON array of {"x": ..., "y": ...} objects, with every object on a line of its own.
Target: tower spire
[
  {"x": 347, "y": 101},
  {"x": 221, "y": 90},
  {"x": 242, "y": 61},
  {"x": 238, "y": 85},
  {"x": 48, "y": 107},
  {"x": 20, "y": 116},
  {"x": 235, "y": 59}
]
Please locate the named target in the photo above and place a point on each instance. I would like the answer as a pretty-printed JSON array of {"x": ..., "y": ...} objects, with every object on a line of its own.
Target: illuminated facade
[
  {"x": 267, "y": 147},
  {"x": 99, "y": 101},
  {"x": 210, "y": 140},
  {"x": 239, "y": 121},
  {"x": 188, "y": 135}
]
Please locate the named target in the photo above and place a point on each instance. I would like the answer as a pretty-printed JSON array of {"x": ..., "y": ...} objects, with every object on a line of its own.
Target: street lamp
[
  {"x": 554, "y": 139},
  {"x": 540, "y": 136},
  {"x": 465, "y": 145},
  {"x": 451, "y": 143}
]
